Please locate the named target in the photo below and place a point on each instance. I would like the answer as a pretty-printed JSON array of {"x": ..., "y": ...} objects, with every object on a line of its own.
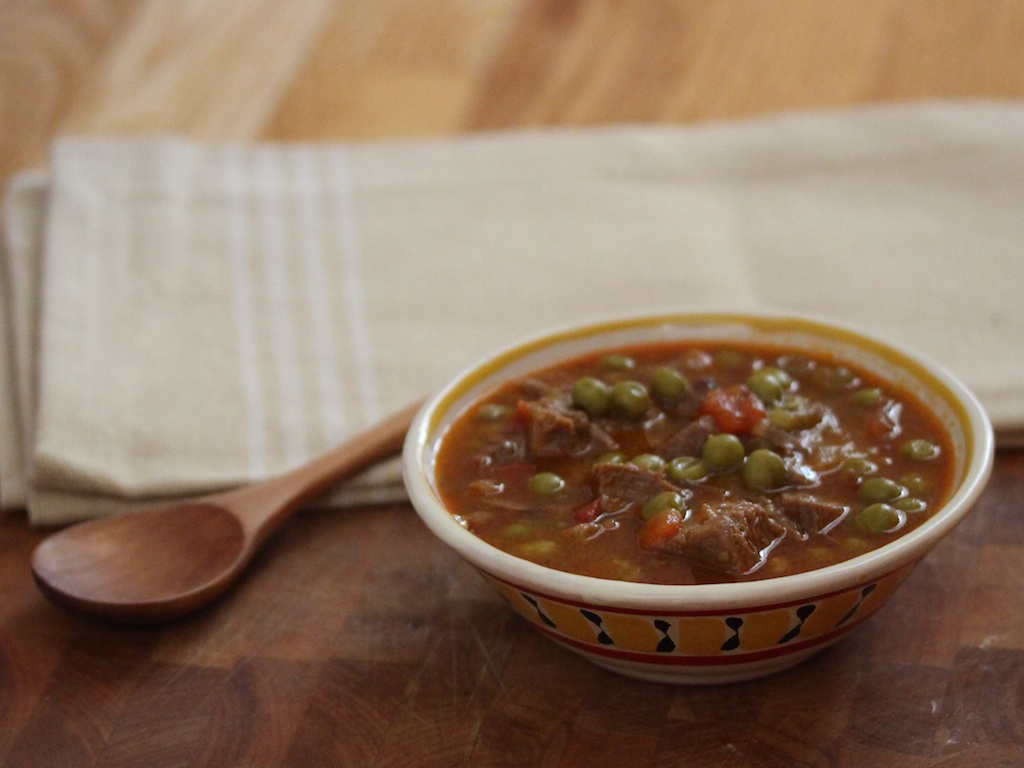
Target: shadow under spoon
[{"x": 163, "y": 563}]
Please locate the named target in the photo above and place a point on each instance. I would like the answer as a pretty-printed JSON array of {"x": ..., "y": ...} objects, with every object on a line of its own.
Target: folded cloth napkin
[{"x": 186, "y": 316}]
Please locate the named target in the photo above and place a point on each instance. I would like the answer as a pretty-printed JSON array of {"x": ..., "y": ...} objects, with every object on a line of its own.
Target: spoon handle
[{"x": 261, "y": 507}]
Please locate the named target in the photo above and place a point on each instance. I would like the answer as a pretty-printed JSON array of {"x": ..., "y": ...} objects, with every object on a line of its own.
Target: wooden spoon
[{"x": 162, "y": 563}]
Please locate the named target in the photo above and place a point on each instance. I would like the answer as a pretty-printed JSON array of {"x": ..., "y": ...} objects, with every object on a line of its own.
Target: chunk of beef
[
  {"x": 601, "y": 439},
  {"x": 782, "y": 441},
  {"x": 620, "y": 485},
  {"x": 687, "y": 406},
  {"x": 690, "y": 439},
  {"x": 699, "y": 390},
  {"x": 535, "y": 389},
  {"x": 810, "y": 513},
  {"x": 555, "y": 428},
  {"x": 727, "y": 537}
]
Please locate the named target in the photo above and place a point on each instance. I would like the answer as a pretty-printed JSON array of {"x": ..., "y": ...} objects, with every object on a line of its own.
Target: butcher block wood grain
[{"x": 357, "y": 639}]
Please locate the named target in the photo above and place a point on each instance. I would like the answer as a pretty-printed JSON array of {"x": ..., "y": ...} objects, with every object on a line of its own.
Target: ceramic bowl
[{"x": 708, "y": 633}]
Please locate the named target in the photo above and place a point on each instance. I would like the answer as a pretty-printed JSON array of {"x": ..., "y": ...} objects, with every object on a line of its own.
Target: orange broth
[{"x": 567, "y": 477}]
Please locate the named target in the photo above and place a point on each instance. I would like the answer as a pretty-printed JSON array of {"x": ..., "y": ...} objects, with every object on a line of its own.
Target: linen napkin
[{"x": 184, "y": 316}]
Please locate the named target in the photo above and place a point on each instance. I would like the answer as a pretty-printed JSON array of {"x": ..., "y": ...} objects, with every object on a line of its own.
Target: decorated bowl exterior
[
  {"x": 704, "y": 646},
  {"x": 708, "y": 633}
]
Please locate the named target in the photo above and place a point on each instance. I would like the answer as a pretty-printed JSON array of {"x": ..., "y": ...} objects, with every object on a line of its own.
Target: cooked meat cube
[
  {"x": 690, "y": 439},
  {"x": 699, "y": 390},
  {"x": 688, "y": 405},
  {"x": 781, "y": 440},
  {"x": 601, "y": 439},
  {"x": 727, "y": 537},
  {"x": 620, "y": 485},
  {"x": 555, "y": 429},
  {"x": 810, "y": 513},
  {"x": 535, "y": 389}
]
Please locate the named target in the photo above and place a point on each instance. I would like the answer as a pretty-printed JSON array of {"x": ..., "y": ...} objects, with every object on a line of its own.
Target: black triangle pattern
[
  {"x": 853, "y": 611},
  {"x": 734, "y": 623},
  {"x": 602, "y": 637},
  {"x": 666, "y": 644},
  {"x": 543, "y": 616},
  {"x": 803, "y": 613}
]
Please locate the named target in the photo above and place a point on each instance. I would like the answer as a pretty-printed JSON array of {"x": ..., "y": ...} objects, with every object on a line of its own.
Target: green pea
[
  {"x": 769, "y": 384},
  {"x": 835, "y": 377},
  {"x": 764, "y": 470},
  {"x": 920, "y": 449},
  {"x": 722, "y": 452},
  {"x": 668, "y": 383},
  {"x": 493, "y": 412},
  {"x": 860, "y": 466},
  {"x": 820, "y": 554},
  {"x": 515, "y": 530},
  {"x": 546, "y": 483},
  {"x": 915, "y": 483},
  {"x": 880, "y": 518},
  {"x": 684, "y": 469},
  {"x": 630, "y": 398},
  {"x": 798, "y": 365},
  {"x": 730, "y": 358},
  {"x": 626, "y": 570},
  {"x": 611, "y": 457},
  {"x": 910, "y": 504},
  {"x": 592, "y": 395},
  {"x": 855, "y": 545},
  {"x": 541, "y": 548},
  {"x": 617, "y": 362},
  {"x": 794, "y": 412},
  {"x": 867, "y": 397},
  {"x": 874, "y": 489},
  {"x": 664, "y": 500},
  {"x": 651, "y": 461}
]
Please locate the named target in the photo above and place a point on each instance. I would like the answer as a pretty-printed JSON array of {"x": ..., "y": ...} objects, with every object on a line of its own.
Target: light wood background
[{"x": 357, "y": 640}]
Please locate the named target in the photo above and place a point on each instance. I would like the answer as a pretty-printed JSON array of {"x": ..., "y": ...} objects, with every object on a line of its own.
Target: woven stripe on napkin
[{"x": 192, "y": 316}]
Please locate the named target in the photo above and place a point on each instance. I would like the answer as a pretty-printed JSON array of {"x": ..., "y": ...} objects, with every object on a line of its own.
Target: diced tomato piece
[
  {"x": 522, "y": 413},
  {"x": 660, "y": 528},
  {"x": 735, "y": 409},
  {"x": 588, "y": 512}
]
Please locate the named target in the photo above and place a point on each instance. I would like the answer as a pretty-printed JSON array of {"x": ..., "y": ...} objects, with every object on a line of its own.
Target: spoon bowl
[
  {"x": 156, "y": 564},
  {"x": 166, "y": 562}
]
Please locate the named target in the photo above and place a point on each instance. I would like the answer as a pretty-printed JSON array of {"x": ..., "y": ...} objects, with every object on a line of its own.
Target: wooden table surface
[{"x": 358, "y": 639}]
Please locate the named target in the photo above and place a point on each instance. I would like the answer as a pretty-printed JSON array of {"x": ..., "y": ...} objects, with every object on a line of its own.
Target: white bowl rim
[{"x": 853, "y": 573}]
